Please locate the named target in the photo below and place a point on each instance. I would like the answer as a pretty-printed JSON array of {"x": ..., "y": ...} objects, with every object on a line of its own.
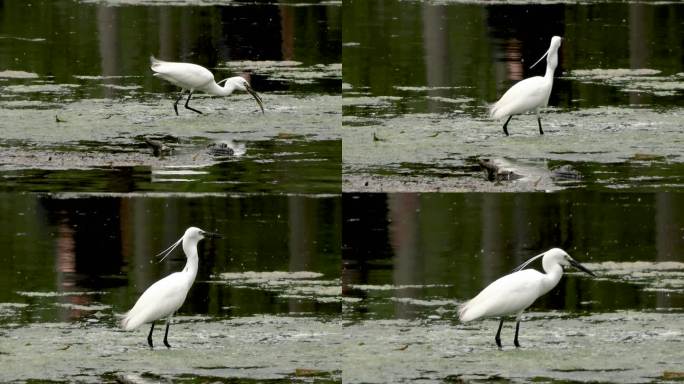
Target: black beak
[
  {"x": 581, "y": 267},
  {"x": 255, "y": 96},
  {"x": 212, "y": 235}
]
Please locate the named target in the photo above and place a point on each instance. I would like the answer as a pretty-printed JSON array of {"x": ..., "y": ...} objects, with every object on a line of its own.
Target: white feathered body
[
  {"x": 510, "y": 294},
  {"x": 185, "y": 75},
  {"x": 530, "y": 94},
  {"x": 160, "y": 300}
]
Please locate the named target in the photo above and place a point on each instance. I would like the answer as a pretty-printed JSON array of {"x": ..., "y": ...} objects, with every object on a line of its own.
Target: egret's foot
[
  {"x": 497, "y": 338},
  {"x": 517, "y": 345},
  {"x": 166, "y": 334},
  {"x": 541, "y": 131},
  {"x": 505, "y": 126},
  {"x": 193, "y": 109},
  {"x": 149, "y": 336},
  {"x": 189, "y": 107}
]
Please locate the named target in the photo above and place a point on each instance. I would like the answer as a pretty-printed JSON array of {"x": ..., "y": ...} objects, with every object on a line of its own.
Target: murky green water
[
  {"x": 258, "y": 310},
  {"x": 78, "y": 94},
  {"x": 419, "y": 77},
  {"x": 411, "y": 259}
]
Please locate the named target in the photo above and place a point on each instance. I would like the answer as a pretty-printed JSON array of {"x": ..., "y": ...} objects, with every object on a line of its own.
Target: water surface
[
  {"x": 411, "y": 259},
  {"x": 259, "y": 310},
  {"x": 78, "y": 93},
  {"x": 420, "y": 76}
]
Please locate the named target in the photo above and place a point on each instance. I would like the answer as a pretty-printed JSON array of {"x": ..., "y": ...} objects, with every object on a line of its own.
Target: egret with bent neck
[{"x": 193, "y": 77}]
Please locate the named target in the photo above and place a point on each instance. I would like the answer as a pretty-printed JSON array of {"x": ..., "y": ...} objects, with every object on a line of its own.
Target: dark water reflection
[
  {"x": 63, "y": 39},
  {"x": 449, "y": 246},
  {"x": 105, "y": 246},
  {"x": 479, "y": 50}
]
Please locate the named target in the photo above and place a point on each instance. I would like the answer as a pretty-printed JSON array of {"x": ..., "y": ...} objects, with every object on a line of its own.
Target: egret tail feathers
[
  {"x": 154, "y": 62},
  {"x": 127, "y": 324},
  {"x": 464, "y": 315}
]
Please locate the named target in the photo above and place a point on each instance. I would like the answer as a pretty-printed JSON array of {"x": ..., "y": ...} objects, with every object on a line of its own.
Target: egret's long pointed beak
[
  {"x": 256, "y": 97},
  {"x": 581, "y": 267},
  {"x": 540, "y": 59},
  {"x": 212, "y": 235}
]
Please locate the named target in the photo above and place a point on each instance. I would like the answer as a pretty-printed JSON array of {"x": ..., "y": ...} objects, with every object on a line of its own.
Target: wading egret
[
  {"x": 163, "y": 298},
  {"x": 530, "y": 94},
  {"x": 513, "y": 293},
  {"x": 193, "y": 77}
]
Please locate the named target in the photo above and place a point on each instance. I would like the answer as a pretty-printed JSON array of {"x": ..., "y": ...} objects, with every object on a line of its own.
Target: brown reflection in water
[
  {"x": 402, "y": 214},
  {"x": 300, "y": 242},
  {"x": 638, "y": 44},
  {"x": 513, "y": 55},
  {"x": 65, "y": 248},
  {"x": 669, "y": 242},
  {"x": 108, "y": 44},
  {"x": 435, "y": 44},
  {"x": 287, "y": 28}
]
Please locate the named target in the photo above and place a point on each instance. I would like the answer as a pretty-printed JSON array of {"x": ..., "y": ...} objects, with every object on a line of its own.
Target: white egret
[
  {"x": 530, "y": 94},
  {"x": 193, "y": 77},
  {"x": 163, "y": 298},
  {"x": 513, "y": 293}
]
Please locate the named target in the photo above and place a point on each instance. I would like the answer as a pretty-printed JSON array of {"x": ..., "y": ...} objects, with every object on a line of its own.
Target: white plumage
[
  {"x": 530, "y": 94},
  {"x": 513, "y": 293},
  {"x": 163, "y": 298},
  {"x": 193, "y": 77}
]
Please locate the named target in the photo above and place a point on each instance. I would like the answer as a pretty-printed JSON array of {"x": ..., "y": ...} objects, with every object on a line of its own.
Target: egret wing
[
  {"x": 160, "y": 300},
  {"x": 184, "y": 75},
  {"x": 510, "y": 294},
  {"x": 523, "y": 96}
]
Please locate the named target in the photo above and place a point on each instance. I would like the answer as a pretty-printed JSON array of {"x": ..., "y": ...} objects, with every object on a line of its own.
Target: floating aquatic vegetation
[
  {"x": 78, "y": 307},
  {"x": 58, "y": 294},
  {"x": 41, "y": 88},
  {"x": 299, "y": 284},
  {"x": 660, "y": 276},
  {"x": 18, "y": 75},
  {"x": 425, "y": 303},
  {"x": 391, "y": 287},
  {"x": 288, "y": 71},
  {"x": 631, "y": 80}
]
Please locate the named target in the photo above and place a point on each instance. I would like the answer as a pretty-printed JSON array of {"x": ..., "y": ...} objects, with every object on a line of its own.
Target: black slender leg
[
  {"x": 506, "y": 125},
  {"x": 149, "y": 336},
  {"x": 517, "y": 328},
  {"x": 166, "y": 334},
  {"x": 189, "y": 107},
  {"x": 541, "y": 132},
  {"x": 175, "y": 105},
  {"x": 497, "y": 338}
]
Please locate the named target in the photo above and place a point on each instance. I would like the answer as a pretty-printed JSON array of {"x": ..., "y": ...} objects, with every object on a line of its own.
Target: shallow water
[
  {"x": 76, "y": 262},
  {"x": 411, "y": 259},
  {"x": 420, "y": 77},
  {"x": 88, "y": 112}
]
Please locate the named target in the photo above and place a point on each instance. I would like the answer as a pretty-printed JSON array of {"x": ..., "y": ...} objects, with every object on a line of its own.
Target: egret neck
[
  {"x": 217, "y": 90},
  {"x": 190, "y": 270},
  {"x": 554, "y": 272}
]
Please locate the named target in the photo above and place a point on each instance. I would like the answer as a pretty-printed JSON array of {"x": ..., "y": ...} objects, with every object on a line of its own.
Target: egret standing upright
[
  {"x": 163, "y": 298},
  {"x": 529, "y": 94},
  {"x": 193, "y": 77},
  {"x": 513, "y": 293}
]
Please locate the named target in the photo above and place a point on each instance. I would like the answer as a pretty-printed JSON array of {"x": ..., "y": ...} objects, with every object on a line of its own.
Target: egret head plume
[{"x": 170, "y": 249}]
